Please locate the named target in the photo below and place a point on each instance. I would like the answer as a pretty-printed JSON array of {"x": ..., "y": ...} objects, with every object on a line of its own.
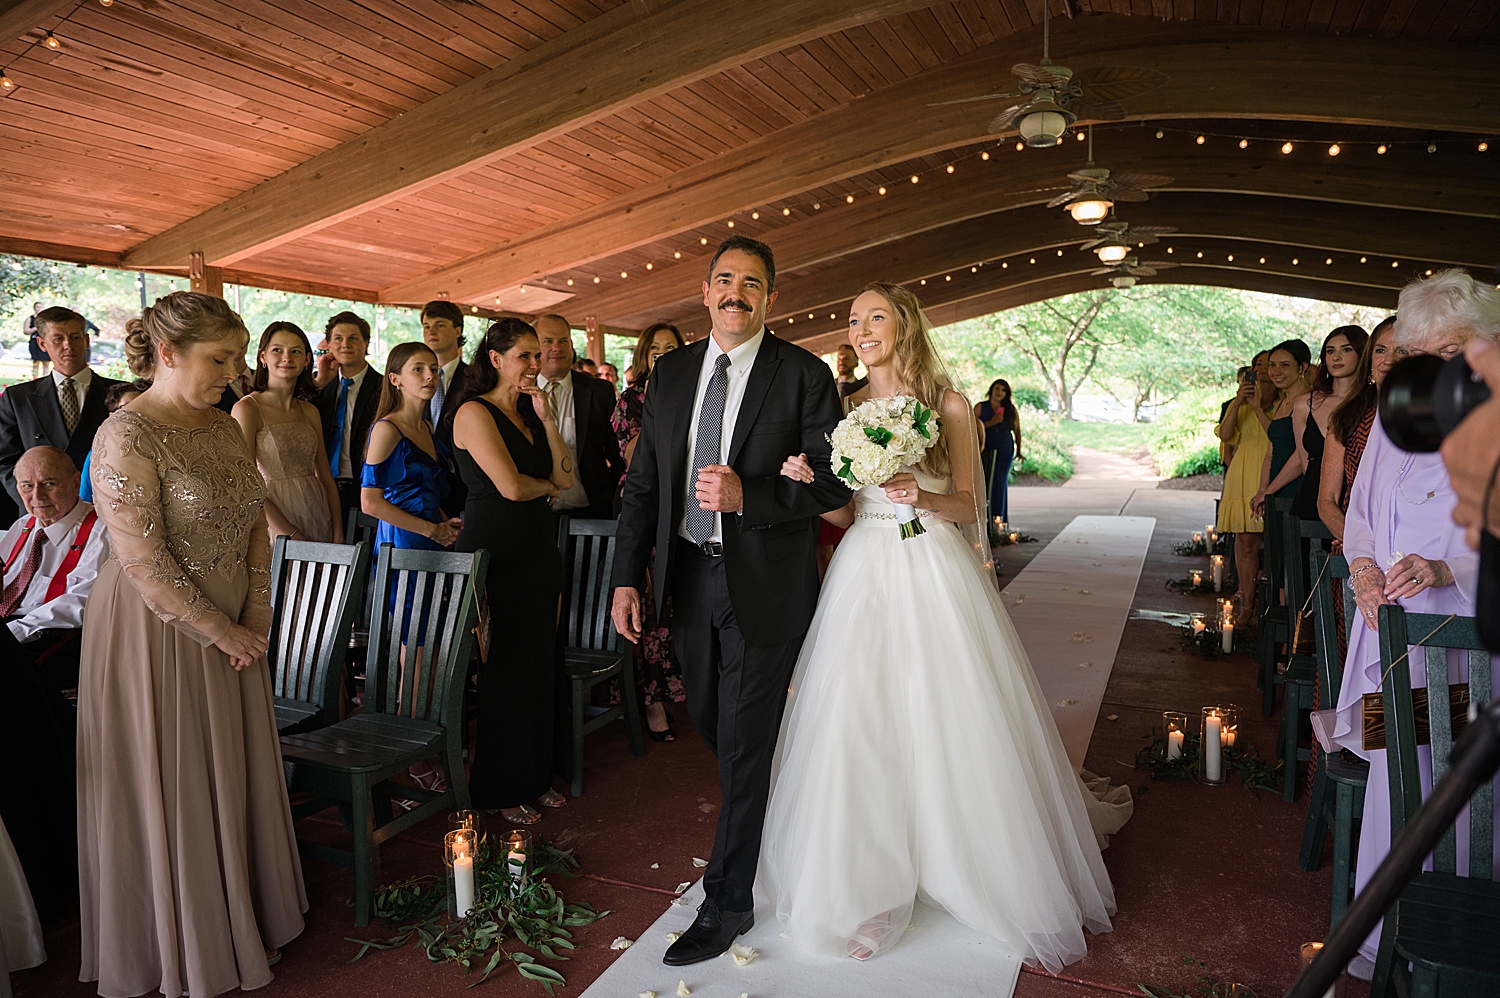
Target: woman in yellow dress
[{"x": 1244, "y": 426}]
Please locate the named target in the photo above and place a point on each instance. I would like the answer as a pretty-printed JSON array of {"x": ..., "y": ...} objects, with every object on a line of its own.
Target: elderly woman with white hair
[{"x": 1404, "y": 548}]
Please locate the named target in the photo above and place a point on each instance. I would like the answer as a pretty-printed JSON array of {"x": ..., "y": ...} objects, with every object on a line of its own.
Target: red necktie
[{"x": 16, "y": 591}]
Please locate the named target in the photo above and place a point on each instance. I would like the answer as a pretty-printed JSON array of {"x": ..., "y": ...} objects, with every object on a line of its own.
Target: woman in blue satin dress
[{"x": 406, "y": 475}]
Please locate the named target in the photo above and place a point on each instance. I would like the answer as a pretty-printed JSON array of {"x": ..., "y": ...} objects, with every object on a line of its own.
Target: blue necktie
[
  {"x": 700, "y": 521},
  {"x": 340, "y": 414},
  {"x": 435, "y": 407}
]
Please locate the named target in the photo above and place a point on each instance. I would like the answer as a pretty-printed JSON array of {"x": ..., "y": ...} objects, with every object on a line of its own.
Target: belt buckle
[{"x": 714, "y": 549}]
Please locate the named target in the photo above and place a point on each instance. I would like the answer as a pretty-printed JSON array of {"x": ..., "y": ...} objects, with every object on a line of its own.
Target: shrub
[
  {"x": 1045, "y": 450},
  {"x": 1182, "y": 441},
  {"x": 1033, "y": 398}
]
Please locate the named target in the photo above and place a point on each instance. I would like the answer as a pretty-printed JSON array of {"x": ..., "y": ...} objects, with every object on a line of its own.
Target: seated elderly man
[
  {"x": 52, "y": 556},
  {"x": 1404, "y": 547}
]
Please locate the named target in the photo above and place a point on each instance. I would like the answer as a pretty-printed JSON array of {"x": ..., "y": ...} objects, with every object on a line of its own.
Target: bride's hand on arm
[{"x": 798, "y": 469}]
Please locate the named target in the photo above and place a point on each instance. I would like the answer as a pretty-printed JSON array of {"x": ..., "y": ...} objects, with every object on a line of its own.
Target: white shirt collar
[
  {"x": 741, "y": 354},
  {"x": 59, "y": 531},
  {"x": 359, "y": 378},
  {"x": 81, "y": 379},
  {"x": 449, "y": 368},
  {"x": 566, "y": 381}
]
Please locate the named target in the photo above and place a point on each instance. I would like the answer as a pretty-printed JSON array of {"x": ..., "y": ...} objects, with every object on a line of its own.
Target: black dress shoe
[{"x": 709, "y": 936}]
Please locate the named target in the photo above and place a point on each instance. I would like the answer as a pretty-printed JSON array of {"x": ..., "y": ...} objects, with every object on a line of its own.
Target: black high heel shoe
[{"x": 662, "y": 736}]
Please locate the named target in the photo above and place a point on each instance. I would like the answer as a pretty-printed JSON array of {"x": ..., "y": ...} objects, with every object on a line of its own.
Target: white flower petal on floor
[
  {"x": 672, "y": 937},
  {"x": 682, "y": 989},
  {"x": 742, "y": 954},
  {"x": 621, "y": 943},
  {"x": 683, "y": 886},
  {"x": 699, "y": 863}
]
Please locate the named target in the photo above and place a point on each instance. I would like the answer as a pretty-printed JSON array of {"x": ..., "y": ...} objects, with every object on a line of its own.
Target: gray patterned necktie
[
  {"x": 700, "y": 522},
  {"x": 67, "y": 397}
]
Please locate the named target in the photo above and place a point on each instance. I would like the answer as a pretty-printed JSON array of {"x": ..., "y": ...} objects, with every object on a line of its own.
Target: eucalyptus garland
[
  {"x": 1201, "y": 546},
  {"x": 532, "y": 913},
  {"x": 1209, "y": 643},
  {"x": 1254, "y": 772}
]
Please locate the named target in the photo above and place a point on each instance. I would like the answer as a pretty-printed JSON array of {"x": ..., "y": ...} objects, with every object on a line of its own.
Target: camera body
[{"x": 1425, "y": 397}]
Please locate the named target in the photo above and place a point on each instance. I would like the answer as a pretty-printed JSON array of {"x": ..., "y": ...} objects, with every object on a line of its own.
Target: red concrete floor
[{"x": 1200, "y": 873}]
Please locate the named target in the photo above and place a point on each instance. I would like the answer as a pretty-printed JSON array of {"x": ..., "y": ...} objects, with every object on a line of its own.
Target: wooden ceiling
[{"x": 401, "y": 150}]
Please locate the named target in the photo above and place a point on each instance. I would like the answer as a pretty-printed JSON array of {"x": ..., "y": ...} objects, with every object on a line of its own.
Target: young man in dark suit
[
  {"x": 735, "y": 549},
  {"x": 347, "y": 405},
  {"x": 63, "y": 409},
  {"x": 443, "y": 331},
  {"x": 584, "y": 405}
]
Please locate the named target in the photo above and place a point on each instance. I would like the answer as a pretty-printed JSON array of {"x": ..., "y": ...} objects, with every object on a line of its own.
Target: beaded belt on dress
[{"x": 860, "y": 514}]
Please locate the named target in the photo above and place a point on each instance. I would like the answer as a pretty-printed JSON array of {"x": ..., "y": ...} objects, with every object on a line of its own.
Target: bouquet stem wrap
[{"x": 876, "y": 440}]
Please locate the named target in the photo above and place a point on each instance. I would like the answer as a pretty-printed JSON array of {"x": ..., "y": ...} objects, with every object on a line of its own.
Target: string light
[
  {"x": 6, "y": 83},
  {"x": 1201, "y": 139},
  {"x": 924, "y": 282},
  {"x": 848, "y": 198},
  {"x": 1286, "y": 149},
  {"x": 702, "y": 240},
  {"x": 1380, "y": 150},
  {"x": 1004, "y": 265},
  {"x": 914, "y": 178},
  {"x": 1169, "y": 249},
  {"x": 650, "y": 267},
  {"x": 623, "y": 274},
  {"x": 596, "y": 280},
  {"x": 1200, "y": 254},
  {"x": 984, "y": 156},
  {"x": 882, "y": 190},
  {"x": 1481, "y": 149},
  {"x": 1020, "y": 147},
  {"x": 1334, "y": 149},
  {"x": 1231, "y": 258},
  {"x": 1395, "y": 263},
  {"x": 1160, "y": 134},
  {"x": 51, "y": 42},
  {"x": 786, "y": 211},
  {"x": 755, "y": 215},
  {"x": 1432, "y": 147},
  {"x": 731, "y": 223},
  {"x": 1484, "y": 147},
  {"x": 1295, "y": 261},
  {"x": 1081, "y": 136},
  {"x": 1363, "y": 259},
  {"x": 1329, "y": 260},
  {"x": 677, "y": 255},
  {"x": 1262, "y": 259},
  {"x": 570, "y": 282},
  {"x": 1244, "y": 143},
  {"x": 1429, "y": 273}
]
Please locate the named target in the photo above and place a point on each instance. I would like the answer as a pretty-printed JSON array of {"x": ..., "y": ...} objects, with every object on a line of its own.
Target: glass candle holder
[
  {"x": 1229, "y": 728},
  {"x": 460, "y": 848},
  {"x": 1176, "y": 728},
  {"x": 1211, "y": 747},
  {"x": 519, "y": 848},
  {"x": 463, "y": 819},
  {"x": 1217, "y": 565},
  {"x": 1197, "y": 537},
  {"x": 1199, "y": 622},
  {"x": 1308, "y": 952},
  {"x": 1197, "y": 578},
  {"x": 1015, "y": 537}
]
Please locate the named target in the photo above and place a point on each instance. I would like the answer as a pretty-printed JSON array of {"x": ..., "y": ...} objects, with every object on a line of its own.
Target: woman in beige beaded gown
[
  {"x": 285, "y": 436},
  {"x": 188, "y": 868}
]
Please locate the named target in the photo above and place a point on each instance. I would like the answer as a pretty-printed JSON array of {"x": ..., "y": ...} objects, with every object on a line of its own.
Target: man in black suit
[
  {"x": 443, "y": 331},
  {"x": 735, "y": 549},
  {"x": 347, "y": 405},
  {"x": 583, "y": 405},
  {"x": 64, "y": 409}
]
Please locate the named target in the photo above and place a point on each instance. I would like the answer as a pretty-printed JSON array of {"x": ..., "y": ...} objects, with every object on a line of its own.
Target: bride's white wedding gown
[{"x": 918, "y": 759}]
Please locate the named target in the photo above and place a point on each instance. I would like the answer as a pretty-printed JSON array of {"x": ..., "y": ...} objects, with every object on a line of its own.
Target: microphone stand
[{"x": 1474, "y": 761}]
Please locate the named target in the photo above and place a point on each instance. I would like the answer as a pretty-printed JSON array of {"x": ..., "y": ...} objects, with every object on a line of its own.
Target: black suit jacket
[
  {"x": 600, "y": 465},
  {"x": 770, "y": 548},
  {"x": 31, "y": 416},
  {"x": 458, "y": 492},
  {"x": 361, "y": 409}
]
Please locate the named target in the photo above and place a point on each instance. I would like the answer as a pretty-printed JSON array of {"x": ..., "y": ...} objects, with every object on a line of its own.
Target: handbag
[{"x": 1372, "y": 719}]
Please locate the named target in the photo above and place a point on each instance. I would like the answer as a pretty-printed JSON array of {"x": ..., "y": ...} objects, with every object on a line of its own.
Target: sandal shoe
[
  {"x": 522, "y": 815},
  {"x": 552, "y": 799}
]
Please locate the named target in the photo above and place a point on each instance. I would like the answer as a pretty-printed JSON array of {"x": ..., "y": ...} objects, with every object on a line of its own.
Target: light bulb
[
  {"x": 650, "y": 267},
  {"x": 786, "y": 211},
  {"x": 882, "y": 190},
  {"x": 6, "y": 83},
  {"x": 570, "y": 282},
  {"x": 731, "y": 223},
  {"x": 848, "y": 198},
  {"x": 1244, "y": 143},
  {"x": 1090, "y": 211},
  {"x": 1044, "y": 127},
  {"x": 984, "y": 155},
  {"x": 1286, "y": 149},
  {"x": 1201, "y": 139},
  {"x": 1380, "y": 150},
  {"x": 702, "y": 240},
  {"x": 1122, "y": 281},
  {"x": 1482, "y": 149},
  {"x": 914, "y": 178},
  {"x": 755, "y": 215},
  {"x": 1334, "y": 149},
  {"x": 51, "y": 41},
  {"x": 1112, "y": 253},
  {"x": 676, "y": 255},
  {"x": 1020, "y": 147}
]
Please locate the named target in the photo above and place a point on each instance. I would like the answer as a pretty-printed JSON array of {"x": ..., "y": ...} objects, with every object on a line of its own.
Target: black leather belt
[{"x": 711, "y": 549}]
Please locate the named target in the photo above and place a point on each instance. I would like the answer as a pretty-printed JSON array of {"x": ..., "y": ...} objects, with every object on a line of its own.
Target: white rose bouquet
[{"x": 877, "y": 439}]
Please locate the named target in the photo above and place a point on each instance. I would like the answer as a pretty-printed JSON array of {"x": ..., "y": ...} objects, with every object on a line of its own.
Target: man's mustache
[{"x": 735, "y": 303}]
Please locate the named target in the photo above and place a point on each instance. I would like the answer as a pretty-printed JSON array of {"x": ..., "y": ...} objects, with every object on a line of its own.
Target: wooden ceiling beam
[
  {"x": 1213, "y": 71},
  {"x": 1375, "y": 282},
  {"x": 1274, "y": 188},
  {"x": 19, "y": 17},
  {"x": 620, "y": 58}
]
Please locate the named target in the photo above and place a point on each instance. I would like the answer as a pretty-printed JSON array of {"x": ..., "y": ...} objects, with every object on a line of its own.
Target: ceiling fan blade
[
  {"x": 1061, "y": 199},
  {"x": 1102, "y": 271},
  {"x": 1152, "y": 230},
  {"x": 1001, "y": 122},
  {"x": 1096, "y": 110},
  {"x": 973, "y": 100},
  {"x": 1046, "y": 76},
  {"x": 1162, "y": 264},
  {"x": 1094, "y": 242},
  {"x": 1145, "y": 181},
  {"x": 1124, "y": 193},
  {"x": 1116, "y": 83},
  {"x": 1143, "y": 271}
]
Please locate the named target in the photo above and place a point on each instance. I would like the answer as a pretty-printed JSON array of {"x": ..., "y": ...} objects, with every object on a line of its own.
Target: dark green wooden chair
[
  {"x": 315, "y": 595},
  {"x": 1273, "y": 627},
  {"x": 593, "y": 652},
  {"x": 409, "y": 715},
  {"x": 1337, "y": 801},
  {"x": 1299, "y": 680},
  {"x": 1446, "y": 926}
]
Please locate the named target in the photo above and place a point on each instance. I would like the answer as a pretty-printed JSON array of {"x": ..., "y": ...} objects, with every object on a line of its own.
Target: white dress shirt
[
  {"x": 67, "y": 609},
  {"x": 574, "y": 497},
  {"x": 346, "y": 465},
  {"x": 741, "y": 361}
]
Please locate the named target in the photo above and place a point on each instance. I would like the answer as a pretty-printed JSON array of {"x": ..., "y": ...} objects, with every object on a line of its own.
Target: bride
[{"x": 917, "y": 757}]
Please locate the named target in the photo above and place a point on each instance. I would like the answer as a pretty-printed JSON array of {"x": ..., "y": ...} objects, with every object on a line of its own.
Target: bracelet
[{"x": 1360, "y": 571}]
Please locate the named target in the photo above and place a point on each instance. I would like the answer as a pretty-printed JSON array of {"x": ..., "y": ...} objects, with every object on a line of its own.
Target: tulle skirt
[{"x": 918, "y": 760}]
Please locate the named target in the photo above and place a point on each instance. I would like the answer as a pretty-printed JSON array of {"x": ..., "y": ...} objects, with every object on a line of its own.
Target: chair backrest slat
[
  {"x": 1327, "y": 571},
  {"x": 1441, "y": 638},
  {"x": 588, "y": 554},
  {"x": 445, "y": 588},
  {"x": 1291, "y": 557},
  {"x": 315, "y": 595}
]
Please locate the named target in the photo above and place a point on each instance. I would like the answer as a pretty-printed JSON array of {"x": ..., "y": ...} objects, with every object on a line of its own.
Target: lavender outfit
[{"x": 1399, "y": 504}]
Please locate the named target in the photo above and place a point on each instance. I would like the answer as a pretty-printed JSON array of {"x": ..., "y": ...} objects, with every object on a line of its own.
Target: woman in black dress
[{"x": 514, "y": 462}]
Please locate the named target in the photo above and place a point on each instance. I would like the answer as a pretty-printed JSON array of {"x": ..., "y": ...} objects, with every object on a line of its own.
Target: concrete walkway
[{"x": 1094, "y": 468}]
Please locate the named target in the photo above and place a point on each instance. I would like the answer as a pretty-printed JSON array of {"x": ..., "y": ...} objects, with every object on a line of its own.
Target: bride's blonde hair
[{"x": 917, "y": 365}]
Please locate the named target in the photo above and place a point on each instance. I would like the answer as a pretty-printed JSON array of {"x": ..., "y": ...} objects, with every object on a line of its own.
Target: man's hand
[
  {"x": 1473, "y": 448},
  {"x": 719, "y": 489},
  {"x": 625, "y": 611}
]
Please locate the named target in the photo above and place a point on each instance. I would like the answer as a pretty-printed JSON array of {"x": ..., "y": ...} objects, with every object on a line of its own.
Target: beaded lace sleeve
[
  {"x": 256, "y": 617},
  {"x": 128, "y": 496}
]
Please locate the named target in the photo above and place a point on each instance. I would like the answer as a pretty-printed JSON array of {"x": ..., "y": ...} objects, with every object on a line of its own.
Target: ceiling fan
[
  {"x": 1125, "y": 273},
  {"x": 1115, "y": 239},
  {"x": 1054, "y": 99},
  {"x": 1095, "y": 190}
]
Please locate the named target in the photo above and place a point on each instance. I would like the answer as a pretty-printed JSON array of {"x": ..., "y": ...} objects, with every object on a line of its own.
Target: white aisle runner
[
  {"x": 939, "y": 956},
  {"x": 1070, "y": 606}
]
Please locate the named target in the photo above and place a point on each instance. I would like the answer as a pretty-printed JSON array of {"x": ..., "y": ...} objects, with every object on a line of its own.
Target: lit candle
[
  {"x": 1309, "y": 952},
  {"x": 1213, "y": 750},
  {"x": 1218, "y": 569},
  {"x": 515, "y": 859},
  {"x": 1199, "y": 624},
  {"x": 1197, "y": 537},
  {"x": 1197, "y": 579},
  {"x": 1230, "y": 730},
  {"x": 1226, "y": 633},
  {"x": 1015, "y": 538},
  {"x": 463, "y": 878},
  {"x": 1174, "y": 745},
  {"x": 1209, "y": 528}
]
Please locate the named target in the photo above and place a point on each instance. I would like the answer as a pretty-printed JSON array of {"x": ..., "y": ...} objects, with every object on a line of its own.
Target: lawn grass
[{"x": 1114, "y": 438}]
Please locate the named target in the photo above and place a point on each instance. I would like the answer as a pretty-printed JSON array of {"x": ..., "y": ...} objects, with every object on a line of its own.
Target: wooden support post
[
  {"x": 593, "y": 339},
  {"x": 209, "y": 280}
]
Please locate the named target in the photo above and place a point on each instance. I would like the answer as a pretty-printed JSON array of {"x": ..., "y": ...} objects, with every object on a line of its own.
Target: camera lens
[{"x": 1425, "y": 397}]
